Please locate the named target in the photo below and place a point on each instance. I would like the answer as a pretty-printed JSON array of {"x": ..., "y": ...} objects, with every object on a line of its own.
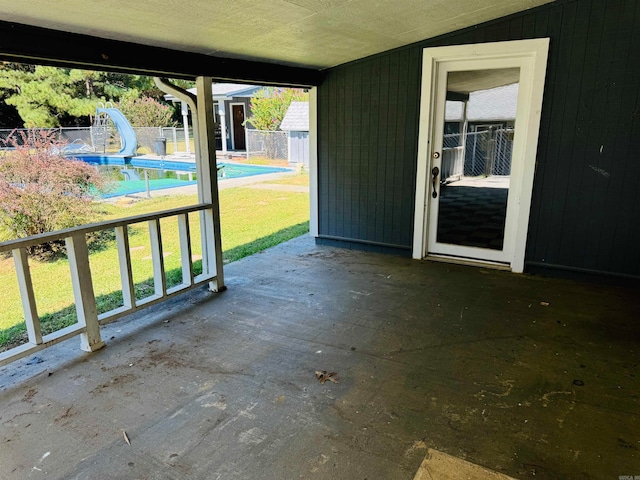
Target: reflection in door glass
[{"x": 476, "y": 157}]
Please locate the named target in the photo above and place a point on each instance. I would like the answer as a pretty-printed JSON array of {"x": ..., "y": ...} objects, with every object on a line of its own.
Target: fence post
[{"x": 83, "y": 293}]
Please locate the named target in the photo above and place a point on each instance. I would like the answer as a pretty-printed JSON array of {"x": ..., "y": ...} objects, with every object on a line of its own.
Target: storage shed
[{"x": 296, "y": 124}]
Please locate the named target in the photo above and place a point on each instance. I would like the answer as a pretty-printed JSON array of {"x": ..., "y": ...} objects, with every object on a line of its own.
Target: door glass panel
[{"x": 477, "y": 145}]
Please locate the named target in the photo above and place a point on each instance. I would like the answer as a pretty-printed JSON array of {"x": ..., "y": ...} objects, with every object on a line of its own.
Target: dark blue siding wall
[
  {"x": 368, "y": 139},
  {"x": 586, "y": 203}
]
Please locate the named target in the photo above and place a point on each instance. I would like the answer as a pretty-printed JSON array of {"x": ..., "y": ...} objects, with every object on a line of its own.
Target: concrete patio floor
[{"x": 526, "y": 376}]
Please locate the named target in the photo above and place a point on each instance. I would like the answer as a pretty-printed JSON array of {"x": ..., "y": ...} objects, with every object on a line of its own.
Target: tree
[
  {"x": 41, "y": 190},
  {"x": 269, "y": 106},
  {"x": 45, "y": 96},
  {"x": 51, "y": 97},
  {"x": 145, "y": 111},
  {"x": 9, "y": 116}
]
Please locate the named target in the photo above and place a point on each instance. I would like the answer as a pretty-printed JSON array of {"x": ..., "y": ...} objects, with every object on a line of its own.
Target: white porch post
[
  {"x": 464, "y": 125},
  {"x": 185, "y": 122},
  {"x": 313, "y": 162},
  {"x": 223, "y": 126},
  {"x": 208, "y": 180}
]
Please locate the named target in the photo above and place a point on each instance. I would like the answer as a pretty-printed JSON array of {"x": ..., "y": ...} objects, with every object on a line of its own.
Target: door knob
[{"x": 434, "y": 179}]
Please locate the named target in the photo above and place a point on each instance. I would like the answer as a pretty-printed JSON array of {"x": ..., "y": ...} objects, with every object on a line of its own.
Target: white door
[{"x": 474, "y": 184}]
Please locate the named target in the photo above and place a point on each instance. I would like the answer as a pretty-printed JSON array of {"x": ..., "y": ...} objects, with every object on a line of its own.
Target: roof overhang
[
  {"x": 23, "y": 43},
  {"x": 257, "y": 41}
]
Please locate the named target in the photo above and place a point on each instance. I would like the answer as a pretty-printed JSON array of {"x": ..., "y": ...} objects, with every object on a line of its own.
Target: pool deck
[{"x": 255, "y": 181}]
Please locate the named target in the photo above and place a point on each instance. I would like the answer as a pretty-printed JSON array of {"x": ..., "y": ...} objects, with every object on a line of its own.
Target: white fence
[{"x": 89, "y": 321}]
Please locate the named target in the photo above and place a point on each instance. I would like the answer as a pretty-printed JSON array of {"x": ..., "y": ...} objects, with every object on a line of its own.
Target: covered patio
[
  {"x": 527, "y": 376},
  {"x": 443, "y": 370}
]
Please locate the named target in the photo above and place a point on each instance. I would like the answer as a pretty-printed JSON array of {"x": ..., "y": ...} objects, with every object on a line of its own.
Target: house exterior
[
  {"x": 296, "y": 124},
  {"x": 584, "y": 197},
  {"x": 373, "y": 98},
  {"x": 380, "y": 75},
  {"x": 232, "y": 103}
]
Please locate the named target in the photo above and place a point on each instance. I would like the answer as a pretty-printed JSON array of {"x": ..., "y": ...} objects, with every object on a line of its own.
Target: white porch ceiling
[{"x": 309, "y": 33}]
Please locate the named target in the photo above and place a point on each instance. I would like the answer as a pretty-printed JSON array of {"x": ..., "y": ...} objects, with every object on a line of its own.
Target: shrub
[
  {"x": 145, "y": 112},
  {"x": 41, "y": 190},
  {"x": 268, "y": 108},
  {"x": 270, "y": 105}
]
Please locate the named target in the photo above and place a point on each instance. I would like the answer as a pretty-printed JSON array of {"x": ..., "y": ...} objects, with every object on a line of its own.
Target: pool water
[{"x": 129, "y": 178}]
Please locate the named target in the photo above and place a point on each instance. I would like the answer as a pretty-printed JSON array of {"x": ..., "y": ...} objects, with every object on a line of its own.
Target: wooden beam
[{"x": 28, "y": 44}]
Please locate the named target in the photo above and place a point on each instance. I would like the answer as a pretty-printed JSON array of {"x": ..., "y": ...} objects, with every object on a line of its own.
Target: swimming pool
[{"x": 127, "y": 174}]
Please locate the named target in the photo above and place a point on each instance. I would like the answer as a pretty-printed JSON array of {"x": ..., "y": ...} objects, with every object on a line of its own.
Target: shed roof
[
  {"x": 486, "y": 105},
  {"x": 296, "y": 118}
]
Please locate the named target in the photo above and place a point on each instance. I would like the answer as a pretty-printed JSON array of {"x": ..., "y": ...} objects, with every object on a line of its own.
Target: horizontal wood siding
[{"x": 586, "y": 206}]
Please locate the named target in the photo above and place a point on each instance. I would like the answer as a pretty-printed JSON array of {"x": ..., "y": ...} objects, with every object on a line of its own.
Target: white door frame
[
  {"x": 531, "y": 57},
  {"x": 233, "y": 138}
]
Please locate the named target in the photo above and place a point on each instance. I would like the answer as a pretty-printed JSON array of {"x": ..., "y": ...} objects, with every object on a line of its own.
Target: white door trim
[
  {"x": 233, "y": 138},
  {"x": 531, "y": 55}
]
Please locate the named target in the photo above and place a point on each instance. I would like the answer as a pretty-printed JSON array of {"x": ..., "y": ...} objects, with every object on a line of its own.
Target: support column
[
  {"x": 185, "y": 123},
  {"x": 463, "y": 134},
  {"x": 206, "y": 168},
  {"x": 313, "y": 162},
  {"x": 464, "y": 125},
  {"x": 223, "y": 126},
  {"x": 208, "y": 193}
]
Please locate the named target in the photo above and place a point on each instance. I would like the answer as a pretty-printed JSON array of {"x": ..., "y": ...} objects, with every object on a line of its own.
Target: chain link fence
[
  {"x": 487, "y": 152},
  {"x": 96, "y": 139},
  {"x": 272, "y": 145}
]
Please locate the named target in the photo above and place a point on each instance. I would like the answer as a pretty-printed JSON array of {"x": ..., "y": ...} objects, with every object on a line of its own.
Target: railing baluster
[
  {"x": 85, "y": 299},
  {"x": 213, "y": 251},
  {"x": 88, "y": 325},
  {"x": 203, "y": 241},
  {"x": 185, "y": 249},
  {"x": 126, "y": 274},
  {"x": 31, "y": 318},
  {"x": 155, "y": 238}
]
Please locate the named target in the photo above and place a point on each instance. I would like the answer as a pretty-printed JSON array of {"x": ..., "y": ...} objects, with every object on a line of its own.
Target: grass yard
[
  {"x": 277, "y": 162},
  {"x": 251, "y": 221},
  {"x": 301, "y": 180}
]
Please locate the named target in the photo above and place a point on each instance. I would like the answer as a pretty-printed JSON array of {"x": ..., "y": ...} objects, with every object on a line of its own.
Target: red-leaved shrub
[{"x": 41, "y": 190}]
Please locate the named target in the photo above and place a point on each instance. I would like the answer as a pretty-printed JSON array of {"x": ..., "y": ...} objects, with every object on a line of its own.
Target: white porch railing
[{"x": 88, "y": 324}]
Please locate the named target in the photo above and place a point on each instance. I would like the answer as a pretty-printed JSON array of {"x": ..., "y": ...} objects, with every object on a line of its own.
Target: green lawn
[
  {"x": 251, "y": 219},
  {"x": 300, "y": 179}
]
